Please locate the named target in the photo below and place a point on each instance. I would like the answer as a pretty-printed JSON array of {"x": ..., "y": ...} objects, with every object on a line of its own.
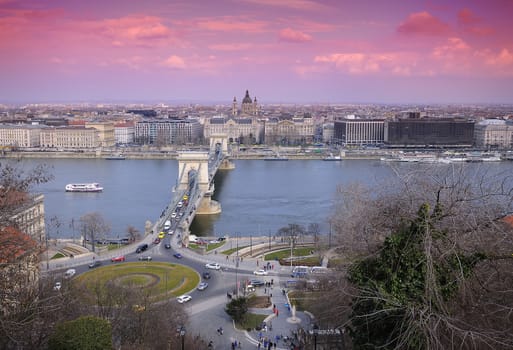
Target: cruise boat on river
[{"x": 85, "y": 187}]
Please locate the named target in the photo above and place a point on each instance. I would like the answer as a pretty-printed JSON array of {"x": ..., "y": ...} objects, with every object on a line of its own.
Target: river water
[{"x": 257, "y": 197}]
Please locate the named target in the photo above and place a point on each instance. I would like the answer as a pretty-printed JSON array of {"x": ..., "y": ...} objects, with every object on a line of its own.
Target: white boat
[
  {"x": 332, "y": 157},
  {"x": 86, "y": 187}
]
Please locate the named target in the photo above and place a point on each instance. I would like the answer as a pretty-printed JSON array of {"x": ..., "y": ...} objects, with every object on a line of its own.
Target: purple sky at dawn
[{"x": 289, "y": 51}]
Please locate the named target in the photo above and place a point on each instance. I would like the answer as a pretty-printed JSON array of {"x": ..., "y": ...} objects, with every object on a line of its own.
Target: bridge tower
[
  {"x": 196, "y": 163},
  {"x": 219, "y": 140}
]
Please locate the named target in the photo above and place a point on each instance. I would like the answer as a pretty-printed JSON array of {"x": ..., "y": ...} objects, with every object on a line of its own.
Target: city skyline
[{"x": 296, "y": 51}]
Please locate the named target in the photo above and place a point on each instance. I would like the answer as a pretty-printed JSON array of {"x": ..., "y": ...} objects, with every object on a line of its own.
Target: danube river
[{"x": 257, "y": 197}]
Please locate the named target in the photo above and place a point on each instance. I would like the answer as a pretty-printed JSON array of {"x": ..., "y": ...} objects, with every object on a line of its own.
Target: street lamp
[
  {"x": 237, "y": 268},
  {"x": 181, "y": 332}
]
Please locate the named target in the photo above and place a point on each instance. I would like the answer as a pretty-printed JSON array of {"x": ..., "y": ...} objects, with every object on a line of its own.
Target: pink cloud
[
  {"x": 294, "y": 36},
  {"x": 174, "y": 62},
  {"x": 362, "y": 63},
  {"x": 292, "y": 4},
  {"x": 231, "y": 47},
  {"x": 465, "y": 16},
  {"x": 423, "y": 23},
  {"x": 233, "y": 24},
  {"x": 472, "y": 24}
]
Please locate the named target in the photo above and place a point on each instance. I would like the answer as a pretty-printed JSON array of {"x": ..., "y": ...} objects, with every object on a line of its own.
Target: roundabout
[{"x": 159, "y": 280}]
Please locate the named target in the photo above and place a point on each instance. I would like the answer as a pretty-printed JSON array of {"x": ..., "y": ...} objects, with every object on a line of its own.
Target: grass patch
[
  {"x": 58, "y": 256},
  {"x": 251, "y": 321},
  {"x": 233, "y": 250},
  {"x": 261, "y": 301},
  {"x": 159, "y": 279},
  {"x": 303, "y": 251},
  {"x": 212, "y": 246},
  {"x": 114, "y": 246}
]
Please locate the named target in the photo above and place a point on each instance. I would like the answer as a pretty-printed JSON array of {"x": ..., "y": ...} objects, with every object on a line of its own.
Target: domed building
[{"x": 248, "y": 106}]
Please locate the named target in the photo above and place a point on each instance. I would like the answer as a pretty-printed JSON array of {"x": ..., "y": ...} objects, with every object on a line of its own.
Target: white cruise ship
[{"x": 90, "y": 187}]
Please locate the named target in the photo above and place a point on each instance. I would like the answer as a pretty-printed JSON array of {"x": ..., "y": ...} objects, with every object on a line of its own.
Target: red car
[
  {"x": 118, "y": 258},
  {"x": 156, "y": 241}
]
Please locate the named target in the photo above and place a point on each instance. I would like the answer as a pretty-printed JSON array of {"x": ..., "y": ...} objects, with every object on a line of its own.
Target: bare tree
[
  {"x": 429, "y": 262},
  {"x": 92, "y": 227},
  {"x": 133, "y": 234},
  {"x": 291, "y": 233}
]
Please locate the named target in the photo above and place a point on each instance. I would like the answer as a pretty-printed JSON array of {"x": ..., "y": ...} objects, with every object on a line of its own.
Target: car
[
  {"x": 173, "y": 215},
  {"x": 167, "y": 246},
  {"x": 156, "y": 241},
  {"x": 180, "y": 204},
  {"x": 260, "y": 272},
  {"x": 256, "y": 283},
  {"x": 94, "y": 264},
  {"x": 118, "y": 258},
  {"x": 202, "y": 286},
  {"x": 57, "y": 286},
  {"x": 185, "y": 197},
  {"x": 206, "y": 275},
  {"x": 178, "y": 255},
  {"x": 141, "y": 248},
  {"x": 162, "y": 234},
  {"x": 183, "y": 298},
  {"x": 145, "y": 257},
  {"x": 213, "y": 266},
  {"x": 70, "y": 273},
  {"x": 170, "y": 232}
]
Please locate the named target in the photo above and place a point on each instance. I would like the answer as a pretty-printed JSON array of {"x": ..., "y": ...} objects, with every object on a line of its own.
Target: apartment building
[
  {"x": 494, "y": 133},
  {"x": 20, "y": 136},
  {"x": 294, "y": 131},
  {"x": 166, "y": 132},
  {"x": 69, "y": 137}
]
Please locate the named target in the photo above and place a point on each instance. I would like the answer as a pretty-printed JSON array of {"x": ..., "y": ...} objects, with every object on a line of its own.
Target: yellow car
[
  {"x": 162, "y": 234},
  {"x": 185, "y": 197}
]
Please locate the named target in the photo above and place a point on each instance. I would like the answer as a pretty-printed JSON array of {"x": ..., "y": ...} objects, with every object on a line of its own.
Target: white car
[
  {"x": 173, "y": 215},
  {"x": 57, "y": 286},
  {"x": 202, "y": 286},
  {"x": 213, "y": 266},
  {"x": 70, "y": 273},
  {"x": 260, "y": 272},
  {"x": 183, "y": 298}
]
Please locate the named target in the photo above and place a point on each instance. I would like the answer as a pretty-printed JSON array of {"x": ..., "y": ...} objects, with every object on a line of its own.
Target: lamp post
[
  {"x": 181, "y": 332},
  {"x": 237, "y": 268}
]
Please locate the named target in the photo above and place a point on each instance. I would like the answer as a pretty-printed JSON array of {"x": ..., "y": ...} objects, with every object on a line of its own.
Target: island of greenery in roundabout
[{"x": 161, "y": 280}]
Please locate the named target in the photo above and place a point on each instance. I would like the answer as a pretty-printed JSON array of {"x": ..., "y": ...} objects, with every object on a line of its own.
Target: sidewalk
[{"x": 280, "y": 324}]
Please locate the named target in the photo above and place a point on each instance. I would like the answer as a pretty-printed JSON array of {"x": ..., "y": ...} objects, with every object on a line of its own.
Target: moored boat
[
  {"x": 84, "y": 187},
  {"x": 116, "y": 157}
]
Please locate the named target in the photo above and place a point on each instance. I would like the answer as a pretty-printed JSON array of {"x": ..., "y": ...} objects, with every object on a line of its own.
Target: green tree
[
  {"x": 84, "y": 333},
  {"x": 403, "y": 282},
  {"x": 237, "y": 308}
]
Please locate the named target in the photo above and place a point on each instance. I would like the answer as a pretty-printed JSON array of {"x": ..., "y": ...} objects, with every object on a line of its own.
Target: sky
[{"x": 282, "y": 51}]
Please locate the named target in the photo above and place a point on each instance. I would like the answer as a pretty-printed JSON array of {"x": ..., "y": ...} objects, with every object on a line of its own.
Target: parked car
[
  {"x": 178, "y": 255},
  {"x": 184, "y": 298},
  {"x": 70, "y": 273},
  {"x": 213, "y": 266},
  {"x": 256, "y": 283},
  {"x": 57, "y": 286},
  {"x": 94, "y": 264},
  {"x": 145, "y": 257},
  {"x": 118, "y": 258},
  {"x": 260, "y": 272},
  {"x": 202, "y": 286},
  {"x": 141, "y": 248}
]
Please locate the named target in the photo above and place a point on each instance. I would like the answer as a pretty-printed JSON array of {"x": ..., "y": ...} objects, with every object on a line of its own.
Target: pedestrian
[
  {"x": 271, "y": 295},
  {"x": 257, "y": 262},
  {"x": 274, "y": 345},
  {"x": 227, "y": 257},
  {"x": 277, "y": 312},
  {"x": 259, "y": 345}
]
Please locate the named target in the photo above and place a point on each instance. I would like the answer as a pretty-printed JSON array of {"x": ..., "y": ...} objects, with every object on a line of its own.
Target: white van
[
  {"x": 167, "y": 225},
  {"x": 70, "y": 273}
]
